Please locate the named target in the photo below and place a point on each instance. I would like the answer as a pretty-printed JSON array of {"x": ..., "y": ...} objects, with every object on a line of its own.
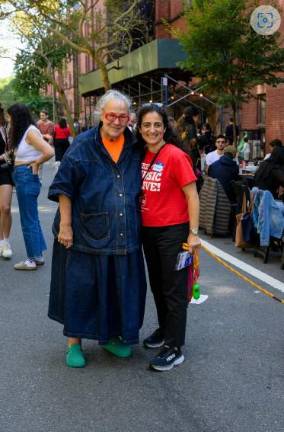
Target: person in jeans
[
  {"x": 30, "y": 152},
  {"x": 98, "y": 284},
  {"x": 170, "y": 217},
  {"x": 6, "y": 188}
]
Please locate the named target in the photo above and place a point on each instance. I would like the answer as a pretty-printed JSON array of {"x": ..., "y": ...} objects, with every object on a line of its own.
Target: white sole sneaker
[
  {"x": 24, "y": 265},
  {"x": 7, "y": 254},
  {"x": 177, "y": 362}
]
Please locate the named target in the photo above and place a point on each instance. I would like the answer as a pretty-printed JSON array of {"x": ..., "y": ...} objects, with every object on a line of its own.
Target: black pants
[
  {"x": 60, "y": 146},
  {"x": 169, "y": 286}
]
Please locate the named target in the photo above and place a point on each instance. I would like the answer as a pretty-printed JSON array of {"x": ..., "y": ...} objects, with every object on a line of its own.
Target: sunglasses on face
[{"x": 112, "y": 117}]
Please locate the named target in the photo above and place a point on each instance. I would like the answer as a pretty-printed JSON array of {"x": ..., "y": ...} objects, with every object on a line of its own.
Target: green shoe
[
  {"x": 75, "y": 357},
  {"x": 117, "y": 348}
]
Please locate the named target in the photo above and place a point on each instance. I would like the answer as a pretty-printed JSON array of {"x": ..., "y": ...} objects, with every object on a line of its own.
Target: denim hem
[
  {"x": 55, "y": 318},
  {"x": 134, "y": 341}
]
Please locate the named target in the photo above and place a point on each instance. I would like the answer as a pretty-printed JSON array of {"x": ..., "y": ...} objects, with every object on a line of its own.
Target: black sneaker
[
  {"x": 167, "y": 358},
  {"x": 156, "y": 340}
]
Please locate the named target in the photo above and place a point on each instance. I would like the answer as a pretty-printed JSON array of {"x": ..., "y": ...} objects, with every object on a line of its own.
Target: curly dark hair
[
  {"x": 169, "y": 135},
  {"x": 21, "y": 119}
]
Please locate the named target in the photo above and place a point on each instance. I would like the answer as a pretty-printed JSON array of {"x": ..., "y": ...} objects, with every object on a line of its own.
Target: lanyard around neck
[{"x": 152, "y": 162}]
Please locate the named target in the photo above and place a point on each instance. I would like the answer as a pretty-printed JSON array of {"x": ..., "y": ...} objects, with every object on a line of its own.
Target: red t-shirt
[
  {"x": 163, "y": 200},
  {"x": 61, "y": 133}
]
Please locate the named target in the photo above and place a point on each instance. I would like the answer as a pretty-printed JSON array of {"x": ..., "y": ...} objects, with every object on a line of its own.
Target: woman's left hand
[{"x": 193, "y": 242}]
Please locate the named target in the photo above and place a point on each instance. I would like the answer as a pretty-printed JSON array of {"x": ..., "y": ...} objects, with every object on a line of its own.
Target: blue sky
[{"x": 11, "y": 43}]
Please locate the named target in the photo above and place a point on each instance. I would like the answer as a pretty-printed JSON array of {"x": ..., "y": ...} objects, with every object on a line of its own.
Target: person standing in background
[
  {"x": 6, "y": 188},
  {"x": 45, "y": 126},
  {"x": 246, "y": 149},
  {"x": 132, "y": 121},
  {"x": 229, "y": 132},
  {"x": 30, "y": 152},
  {"x": 61, "y": 139},
  {"x": 187, "y": 124}
]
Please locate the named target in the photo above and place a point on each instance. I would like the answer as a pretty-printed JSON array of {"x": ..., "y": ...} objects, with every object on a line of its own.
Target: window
[{"x": 261, "y": 109}]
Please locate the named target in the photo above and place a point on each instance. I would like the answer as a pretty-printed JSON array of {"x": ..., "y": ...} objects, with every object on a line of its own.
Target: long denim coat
[{"x": 98, "y": 287}]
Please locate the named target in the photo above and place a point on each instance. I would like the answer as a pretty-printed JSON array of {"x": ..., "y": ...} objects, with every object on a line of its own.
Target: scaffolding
[{"x": 175, "y": 93}]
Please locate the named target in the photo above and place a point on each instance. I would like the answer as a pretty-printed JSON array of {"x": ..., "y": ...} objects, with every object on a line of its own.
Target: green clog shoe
[
  {"x": 117, "y": 348},
  {"x": 75, "y": 357}
]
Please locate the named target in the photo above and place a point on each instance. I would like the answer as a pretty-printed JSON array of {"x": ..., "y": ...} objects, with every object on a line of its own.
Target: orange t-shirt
[{"x": 114, "y": 147}]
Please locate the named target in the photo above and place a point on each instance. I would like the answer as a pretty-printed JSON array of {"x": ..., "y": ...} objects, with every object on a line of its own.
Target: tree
[
  {"x": 225, "y": 52},
  {"x": 35, "y": 67},
  {"x": 102, "y": 30},
  {"x": 9, "y": 95},
  {"x": 44, "y": 59}
]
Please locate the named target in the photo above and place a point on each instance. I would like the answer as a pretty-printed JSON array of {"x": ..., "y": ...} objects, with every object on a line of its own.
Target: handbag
[
  {"x": 244, "y": 226},
  {"x": 7, "y": 163},
  {"x": 5, "y": 166},
  {"x": 247, "y": 227}
]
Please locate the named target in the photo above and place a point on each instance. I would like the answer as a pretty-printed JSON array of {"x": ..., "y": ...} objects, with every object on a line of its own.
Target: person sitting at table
[
  {"x": 274, "y": 143},
  {"x": 226, "y": 170},
  {"x": 270, "y": 174}
]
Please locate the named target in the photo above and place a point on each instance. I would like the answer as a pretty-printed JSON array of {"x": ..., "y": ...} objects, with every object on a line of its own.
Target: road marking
[
  {"x": 202, "y": 299},
  {"x": 252, "y": 271}
]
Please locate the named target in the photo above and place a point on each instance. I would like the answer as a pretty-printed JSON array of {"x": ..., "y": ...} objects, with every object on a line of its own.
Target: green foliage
[
  {"x": 103, "y": 36},
  {"x": 9, "y": 95},
  {"x": 34, "y": 67},
  {"x": 226, "y": 53},
  {"x": 29, "y": 74}
]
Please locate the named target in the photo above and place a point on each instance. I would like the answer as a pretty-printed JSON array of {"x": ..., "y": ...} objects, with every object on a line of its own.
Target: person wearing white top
[
  {"x": 216, "y": 154},
  {"x": 30, "y": 152}
]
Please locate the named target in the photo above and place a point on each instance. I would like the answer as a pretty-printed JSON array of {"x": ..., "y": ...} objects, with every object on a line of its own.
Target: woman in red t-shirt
[
  {"x": 61, "y": 142},
  {"x": 170, "y": 217}
]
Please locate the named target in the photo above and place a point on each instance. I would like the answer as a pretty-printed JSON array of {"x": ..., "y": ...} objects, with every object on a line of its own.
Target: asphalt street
[{"x": 232, "y": 379}]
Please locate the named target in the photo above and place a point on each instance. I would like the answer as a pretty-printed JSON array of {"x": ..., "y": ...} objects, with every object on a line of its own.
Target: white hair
[{"x": 110, "y": 95}]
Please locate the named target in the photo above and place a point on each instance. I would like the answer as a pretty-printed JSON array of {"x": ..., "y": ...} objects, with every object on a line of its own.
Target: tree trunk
[
  {"x": 104, "y": 74},
  {"x": 64, "y": 102},
  {"x": 57, "y": 87}
]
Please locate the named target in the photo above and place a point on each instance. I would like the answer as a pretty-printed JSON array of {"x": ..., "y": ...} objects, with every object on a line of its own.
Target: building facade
[
  {"x": 140, "y": 73},
  {"x": 263, "y": 116}
]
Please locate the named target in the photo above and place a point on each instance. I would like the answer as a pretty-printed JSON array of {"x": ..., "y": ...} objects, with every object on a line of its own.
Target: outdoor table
[{"x": 248, "y": 178}]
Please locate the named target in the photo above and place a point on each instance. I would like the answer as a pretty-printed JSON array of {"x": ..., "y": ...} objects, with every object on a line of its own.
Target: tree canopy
[
  {"x": 225, "y": 52},
  {"x": 103, "y": 30}
]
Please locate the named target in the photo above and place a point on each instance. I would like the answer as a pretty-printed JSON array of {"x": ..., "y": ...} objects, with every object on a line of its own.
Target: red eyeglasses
[{"x": 112, "y": 117}]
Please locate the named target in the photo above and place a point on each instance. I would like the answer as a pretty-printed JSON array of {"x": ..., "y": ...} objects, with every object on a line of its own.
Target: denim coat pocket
[{"x": 96, "y": 225}]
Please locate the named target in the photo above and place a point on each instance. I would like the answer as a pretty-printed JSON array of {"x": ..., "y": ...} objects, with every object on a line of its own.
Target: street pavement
[{"x": 232, "y": 379}]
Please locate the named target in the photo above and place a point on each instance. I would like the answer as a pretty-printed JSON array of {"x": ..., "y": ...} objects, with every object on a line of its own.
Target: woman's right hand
[{"x": 65, "y": 236}]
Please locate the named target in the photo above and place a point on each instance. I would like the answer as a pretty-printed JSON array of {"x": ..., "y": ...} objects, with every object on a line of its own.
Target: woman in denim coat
[{"x": 98, "y": 282}]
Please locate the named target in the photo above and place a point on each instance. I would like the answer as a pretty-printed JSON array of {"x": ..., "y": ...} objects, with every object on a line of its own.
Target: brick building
[
  {"x": 264, "y": 116},
  {"x": 139, "y": 74}
]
